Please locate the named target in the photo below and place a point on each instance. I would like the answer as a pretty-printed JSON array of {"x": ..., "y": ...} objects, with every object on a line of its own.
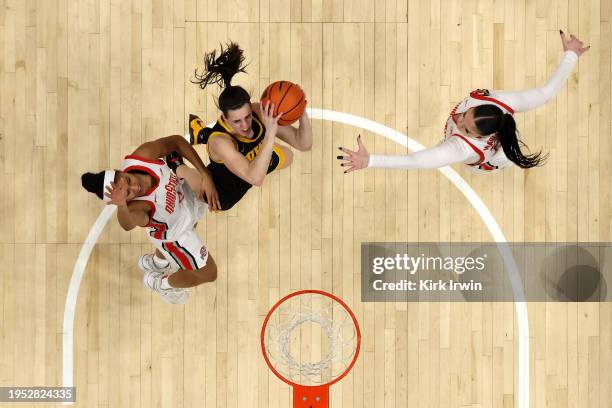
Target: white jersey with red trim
[
  {"x": 174, "y": 206},
  {"x": 488, "y": 149},
  {"x": 483, "y": 155}
]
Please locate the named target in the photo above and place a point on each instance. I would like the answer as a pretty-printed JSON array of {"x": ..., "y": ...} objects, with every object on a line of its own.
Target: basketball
[{"x": 288, "y": 98}]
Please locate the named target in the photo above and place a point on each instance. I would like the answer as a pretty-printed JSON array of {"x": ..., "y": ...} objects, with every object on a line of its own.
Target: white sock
[
  {"x": 165, "y": 284},
  {"x": 160, "y": 262}
]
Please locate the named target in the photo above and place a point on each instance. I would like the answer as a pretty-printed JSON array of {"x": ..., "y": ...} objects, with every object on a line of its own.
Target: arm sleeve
[
  {"x": 529, "y": 99},
  {"x": 448, "y": 152}
]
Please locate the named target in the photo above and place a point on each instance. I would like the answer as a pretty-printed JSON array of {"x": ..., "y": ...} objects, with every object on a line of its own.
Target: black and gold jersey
[{"x": 230, "y": 187}]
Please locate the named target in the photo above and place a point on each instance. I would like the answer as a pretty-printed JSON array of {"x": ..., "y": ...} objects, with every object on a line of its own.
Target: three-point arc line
[{"x": 381, "y": 130}]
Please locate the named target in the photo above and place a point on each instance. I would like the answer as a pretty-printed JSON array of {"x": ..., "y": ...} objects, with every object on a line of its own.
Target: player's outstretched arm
[
  {"x": 175, "y": 143},
  {"x": 166, "y": 145},
  {"x": 529, "y": 99},
  {"x": 446, "y": 153}
]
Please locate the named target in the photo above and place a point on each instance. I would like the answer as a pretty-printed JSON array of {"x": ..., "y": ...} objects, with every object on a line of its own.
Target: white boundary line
[
  {"x": 73, "y": 292},
  {"x": 391, "y": 134}
]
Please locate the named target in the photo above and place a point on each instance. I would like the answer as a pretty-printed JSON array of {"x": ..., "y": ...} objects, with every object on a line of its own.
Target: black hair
[
  {"x": 220, "y": 70},
  {"x": 94, "y": 183},
  {"x": 491, "y": 119}
]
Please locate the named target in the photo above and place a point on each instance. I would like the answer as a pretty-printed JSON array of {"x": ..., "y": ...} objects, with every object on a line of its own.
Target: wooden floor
[{"x": 84, "y": 82}]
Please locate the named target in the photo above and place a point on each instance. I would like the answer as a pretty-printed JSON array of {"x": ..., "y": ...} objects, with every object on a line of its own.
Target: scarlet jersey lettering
[
  {"x": 171, "y": 193},
  {"x": 174, "y": 207}
]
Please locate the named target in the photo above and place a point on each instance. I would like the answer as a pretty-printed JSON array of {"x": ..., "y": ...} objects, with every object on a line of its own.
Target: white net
[{"x": 310, "y": 339}]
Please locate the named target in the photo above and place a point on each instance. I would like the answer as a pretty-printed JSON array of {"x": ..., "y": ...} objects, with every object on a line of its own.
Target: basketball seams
[
  {"x": 285, "y": 92},
  {"x": 286, "y": 121},
  {"x": 297, "y": 105},
  {"x": 282, "y": 99}
]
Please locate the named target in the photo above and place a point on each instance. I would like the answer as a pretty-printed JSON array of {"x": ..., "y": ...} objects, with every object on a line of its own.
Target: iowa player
[{"x": 242, "y": 144}]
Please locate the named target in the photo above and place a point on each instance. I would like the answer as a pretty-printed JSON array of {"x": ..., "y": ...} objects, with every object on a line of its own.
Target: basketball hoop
[{"x": 310, "y": 339}]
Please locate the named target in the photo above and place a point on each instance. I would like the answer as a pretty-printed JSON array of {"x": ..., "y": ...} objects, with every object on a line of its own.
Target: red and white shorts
[{"x": 188, "y": 252}]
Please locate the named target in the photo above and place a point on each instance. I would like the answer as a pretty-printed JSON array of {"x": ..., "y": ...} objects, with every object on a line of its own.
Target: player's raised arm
[
  {"x": 254, "y": 171},
  {"x": 529, "y": 99},
  {"x": 175, "y": 143},
  {"x": 444, "y": 154},
  {"x": 130, "y": 215}
]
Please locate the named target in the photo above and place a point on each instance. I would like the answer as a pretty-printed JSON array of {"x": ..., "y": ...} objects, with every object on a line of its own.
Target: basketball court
[{"x": 85, "y": 82}]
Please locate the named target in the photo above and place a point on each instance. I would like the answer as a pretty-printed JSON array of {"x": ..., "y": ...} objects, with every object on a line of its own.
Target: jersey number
[{"x": 158, "y": 229}]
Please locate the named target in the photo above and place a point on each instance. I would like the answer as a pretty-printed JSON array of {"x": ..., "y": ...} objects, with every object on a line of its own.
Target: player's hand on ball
[
  {"x": 355, "y": 160},
  {"x": 117, "y": 193},
  {"x": 573, "y": 44},
  {"x": 270, "y": 121}
]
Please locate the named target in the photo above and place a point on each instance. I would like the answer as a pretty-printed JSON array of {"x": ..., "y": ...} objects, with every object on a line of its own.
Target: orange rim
[{"x": 323, "y": 293}]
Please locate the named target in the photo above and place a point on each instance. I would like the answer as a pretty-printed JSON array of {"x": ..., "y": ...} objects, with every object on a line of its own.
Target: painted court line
[
  {"x": 487, "y": 218},
  {"x": 73, "y": 292},
  {"x": 377, "y": 128}
]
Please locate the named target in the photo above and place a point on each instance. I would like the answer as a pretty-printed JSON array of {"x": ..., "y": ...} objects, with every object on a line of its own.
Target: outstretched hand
[
  {"x": 117, "y": 193},
  {"x": 355, "y": 160},
  {"x": 573, "y": 44}
]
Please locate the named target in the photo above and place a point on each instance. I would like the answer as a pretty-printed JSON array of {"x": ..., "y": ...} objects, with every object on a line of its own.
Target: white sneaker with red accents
[
  {"x": 147, "y": 264},
  {"x": 153, "y": 278}
]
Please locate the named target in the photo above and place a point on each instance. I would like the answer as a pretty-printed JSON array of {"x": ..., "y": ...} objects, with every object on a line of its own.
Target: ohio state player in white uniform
[
  {"x": 490, "y": 155},
  {"x": 151, "y": 193},
  {"x": 175, "y": 210},
  {"x": 480, "y": 131}
]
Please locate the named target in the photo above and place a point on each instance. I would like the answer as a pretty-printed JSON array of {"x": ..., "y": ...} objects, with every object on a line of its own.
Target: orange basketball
[{"x": 288, "y": 98}]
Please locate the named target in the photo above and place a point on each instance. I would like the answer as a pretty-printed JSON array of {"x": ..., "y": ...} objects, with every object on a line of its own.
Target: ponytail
[
  {"x": 507, "y": 136},
  {"x": 94, "y": 183},
  {"x": 490, "y": 119},
  {"x": 220, "y": 70}
]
